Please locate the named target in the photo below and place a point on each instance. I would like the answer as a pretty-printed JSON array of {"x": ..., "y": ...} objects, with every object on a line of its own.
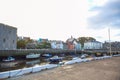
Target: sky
[{"x": 59, "y": 19}]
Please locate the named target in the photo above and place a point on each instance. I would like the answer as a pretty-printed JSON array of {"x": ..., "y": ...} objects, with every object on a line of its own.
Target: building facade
[
  {"x": 40, "y": 40},
  {"x": 65, "y": 46},
  {"x": 56, "y": 44},
  {"x": 93, "y": 45},
  {"x": 73, "y": 44},
  {"x": 8, "y": 37},
  {"x": 114, "y": 45}
]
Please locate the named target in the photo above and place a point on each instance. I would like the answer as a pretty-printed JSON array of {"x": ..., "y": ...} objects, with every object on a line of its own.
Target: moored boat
[
  {"x": 46, "y": 55},
  {"x": 8, "y": 59},
  {"x": 55, "y": 59},
  {"x": 32, "y": 56}
]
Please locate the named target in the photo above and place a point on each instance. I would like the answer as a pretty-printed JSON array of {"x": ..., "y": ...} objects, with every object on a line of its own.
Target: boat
[
  {"x": 55, "y": 59},
  {"x": 75, "y": 58},
  {"x": 83, "y": 56},
  {"x": 9, "y": 59},
  {"x": 46, "y": 55},
  {"x": 32, "y": 56}
]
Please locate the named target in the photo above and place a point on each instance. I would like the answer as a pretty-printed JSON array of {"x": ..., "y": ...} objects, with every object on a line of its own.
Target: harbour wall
[{"x": 24, "y": 52}]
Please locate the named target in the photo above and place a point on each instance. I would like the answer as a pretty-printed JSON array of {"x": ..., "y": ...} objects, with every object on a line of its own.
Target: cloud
[
  {"x": 117, "y": 35},
  {"x": 99, "y": 37},
  {"x": 108, "y": 15}
]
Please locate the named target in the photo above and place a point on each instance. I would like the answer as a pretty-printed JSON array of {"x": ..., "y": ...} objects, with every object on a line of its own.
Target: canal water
[{"x": 20, "y": 64}]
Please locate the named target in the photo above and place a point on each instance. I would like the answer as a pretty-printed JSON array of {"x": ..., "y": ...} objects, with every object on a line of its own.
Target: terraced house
[
  {"x": 8, "y": 37},
  {"x": 93, "y": 45},
  {"x": 73, "y": 44},
  {"x": 56, "y": 44}
]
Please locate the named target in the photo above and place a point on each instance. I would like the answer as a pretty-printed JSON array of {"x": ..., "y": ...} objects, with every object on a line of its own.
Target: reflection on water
[
  {"x": 20, "y": 64},
  {"x": 6, "y": 66},
  {"x": 32, "y": 62}
]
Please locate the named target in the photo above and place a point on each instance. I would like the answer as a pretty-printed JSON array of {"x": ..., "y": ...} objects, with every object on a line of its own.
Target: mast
[{"x": 109, "y": 41}]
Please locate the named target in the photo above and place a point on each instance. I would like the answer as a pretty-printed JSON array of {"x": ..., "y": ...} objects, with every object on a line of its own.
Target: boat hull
[{"x": 32, "y": 56}]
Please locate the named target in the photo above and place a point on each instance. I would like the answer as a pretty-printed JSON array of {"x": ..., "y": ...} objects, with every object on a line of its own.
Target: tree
[
  {"x": 82, "y": 40},
  {"x": 44, "y": 45},
  {"x": 21, "y": 44}
]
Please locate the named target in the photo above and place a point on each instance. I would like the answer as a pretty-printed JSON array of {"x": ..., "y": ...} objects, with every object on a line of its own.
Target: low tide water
[{"x": 20, "y": 64}]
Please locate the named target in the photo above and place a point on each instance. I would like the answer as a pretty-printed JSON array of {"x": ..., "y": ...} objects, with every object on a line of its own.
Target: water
[{"x": 20, "y": 64}]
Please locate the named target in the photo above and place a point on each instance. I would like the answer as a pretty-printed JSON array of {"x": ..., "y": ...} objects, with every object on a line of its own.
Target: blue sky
[
  {"x": 107, "y": 16},
  {"x": 59, "y": 19}
]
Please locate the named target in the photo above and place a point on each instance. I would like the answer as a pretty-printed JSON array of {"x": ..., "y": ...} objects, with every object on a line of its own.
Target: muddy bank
[{"x": 107, "y": 69}]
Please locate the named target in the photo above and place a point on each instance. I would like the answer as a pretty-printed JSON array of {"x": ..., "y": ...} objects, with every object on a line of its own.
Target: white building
[
  {"x": 56, "y": 44},
  {"x": 77, "y": 45},
  {"x": 93, "y": 45}
]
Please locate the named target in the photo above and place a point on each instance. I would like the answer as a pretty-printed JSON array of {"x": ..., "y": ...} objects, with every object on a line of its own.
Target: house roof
[
  {"x": 57, "y": 41},
  {"x": 5, "y": 25},
  {"x": 71, "y": 40}
]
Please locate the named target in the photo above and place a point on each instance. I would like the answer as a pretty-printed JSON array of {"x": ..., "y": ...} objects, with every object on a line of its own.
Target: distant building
[
  {"x": 42, "y": 40},
  {"x": 73, "y": 44},
  {"x": 65, "y": 46},
  {"x": 26, "y": 38},
  {"x": 56, "y": 44},
  {"x": 8, "y": 37},
  {"x": 93, "y": 45},
  {"x": 19, "y": 38},
  {"x": 78, "y": 46},
  {"x": 114, "y": 45}
]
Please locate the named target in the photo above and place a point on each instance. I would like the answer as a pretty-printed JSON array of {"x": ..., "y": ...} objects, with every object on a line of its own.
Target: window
[
  {"x": 10, "y": 32},
  {"x": 4, "y": 40},
  {"x": 13, "y": 41}
]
